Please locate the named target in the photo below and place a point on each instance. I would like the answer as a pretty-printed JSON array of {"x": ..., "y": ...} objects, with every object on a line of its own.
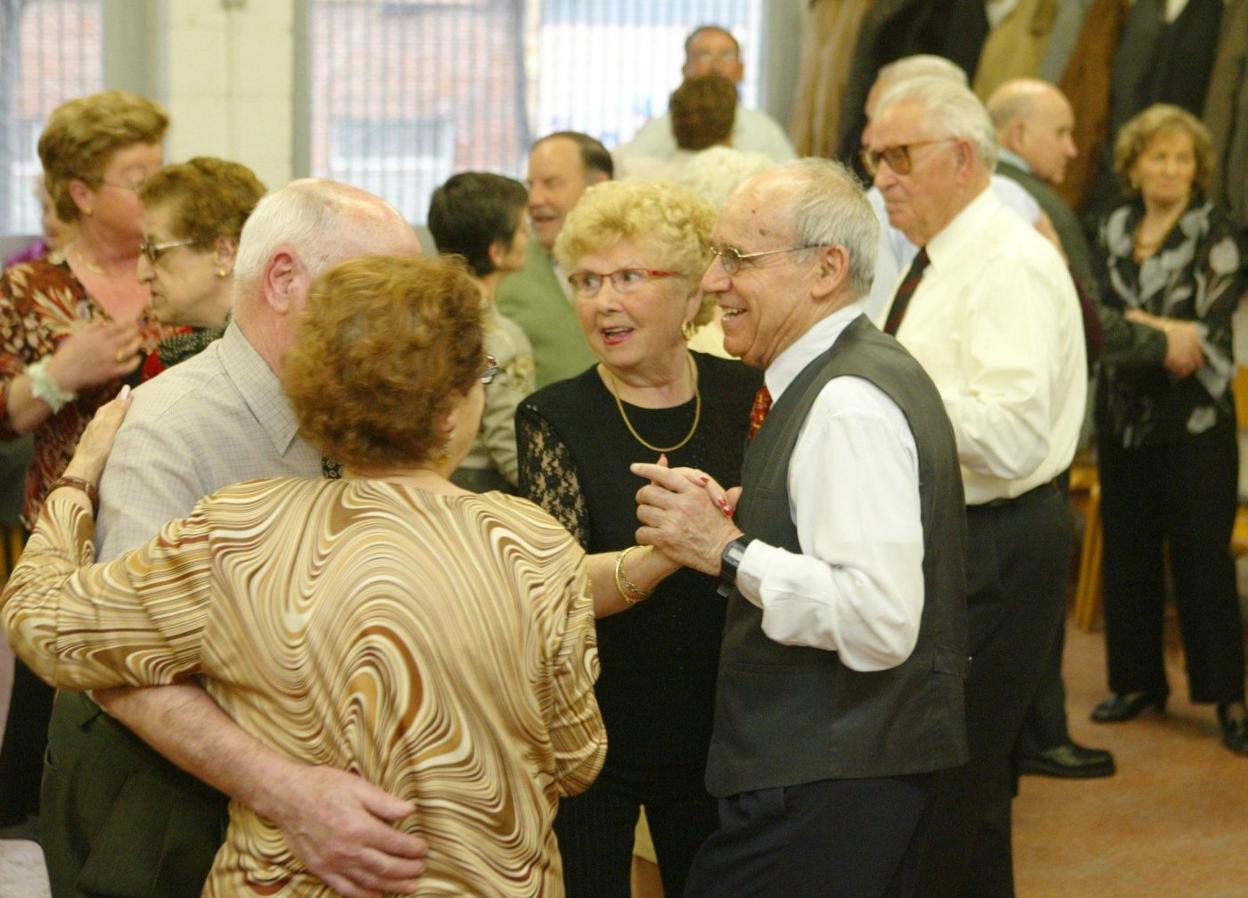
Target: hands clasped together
[{"x": 685, "y": 514}]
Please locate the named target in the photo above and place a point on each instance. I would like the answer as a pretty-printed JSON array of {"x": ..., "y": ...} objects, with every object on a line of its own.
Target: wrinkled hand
[
  {"x": 339, "y": 826},
  {"x": 685, "y": 515},
  {"x": 95, "y": 354},
  {"x": 96, "y": 441}
]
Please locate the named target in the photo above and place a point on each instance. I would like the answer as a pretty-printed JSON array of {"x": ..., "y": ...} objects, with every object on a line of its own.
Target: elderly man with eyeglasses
[
  {"x": 989, "y": 308},
  {"x": 840, "y": 691},
  {"x": 711, "y": 49},
  {"x": 896, "y": 252}
]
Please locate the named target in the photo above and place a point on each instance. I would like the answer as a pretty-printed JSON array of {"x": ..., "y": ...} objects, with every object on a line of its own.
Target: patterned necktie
[
  {"x": 758, "y": 414},
  {"x": 904, "y": 293}
]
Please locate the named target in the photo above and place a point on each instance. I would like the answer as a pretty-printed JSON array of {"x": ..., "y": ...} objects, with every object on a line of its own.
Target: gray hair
[
  {"x": 322, "y": 221},
  {"x": 713, "y": 174},
  {"x": 949, "y": 108},
  {"x": 830, "y": 207},
  {"x": 922, "y": 65}
]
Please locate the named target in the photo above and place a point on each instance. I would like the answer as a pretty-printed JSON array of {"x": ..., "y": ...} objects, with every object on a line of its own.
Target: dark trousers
[
  {"x": 1046, "y": 726},
  {"x": 595, "y": 830},
  {"x": 845, "y": 838},
  {"x": 1018, "y": 557},
  {"x": 118, "y": 819},
  {"x": 25, "y": 740},
  {"x": 1183, "y": 496}
]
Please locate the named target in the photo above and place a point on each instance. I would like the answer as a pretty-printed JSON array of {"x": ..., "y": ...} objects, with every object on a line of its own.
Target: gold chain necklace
[{"x": 697, "y": 409}]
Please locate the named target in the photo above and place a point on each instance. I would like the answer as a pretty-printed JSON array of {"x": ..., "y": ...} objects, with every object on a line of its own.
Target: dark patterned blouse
[
  {"x": 41, "y": 304},
  {"x": 1199, "y": 275}
]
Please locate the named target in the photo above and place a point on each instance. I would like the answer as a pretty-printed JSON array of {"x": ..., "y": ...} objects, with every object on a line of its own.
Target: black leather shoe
[
  {"x": 1234, "y": 731},
  {"x": 1123, "y": 706},
  {"x": 1068, "y": 761}
]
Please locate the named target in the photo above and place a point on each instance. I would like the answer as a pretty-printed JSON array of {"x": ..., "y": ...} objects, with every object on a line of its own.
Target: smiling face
[
  {"x": 557, "y": 178},
  {"x": 184, "y": 282},
  {"x": 1165, "y": 170},
  {"x": 767, "y": 304},
  {"x": 635, "y": 333}
]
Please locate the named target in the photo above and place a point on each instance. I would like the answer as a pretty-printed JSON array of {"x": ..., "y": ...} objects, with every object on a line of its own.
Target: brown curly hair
[
  {"x": 83, "y": 133},
  {"x": 703, "y": 110},
  {"x": 384, "y": 348},
  {"x": 212, "y": 198}
]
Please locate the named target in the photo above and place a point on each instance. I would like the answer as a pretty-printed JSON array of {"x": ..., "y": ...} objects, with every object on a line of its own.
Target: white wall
[{"x": 223, "y": 70}]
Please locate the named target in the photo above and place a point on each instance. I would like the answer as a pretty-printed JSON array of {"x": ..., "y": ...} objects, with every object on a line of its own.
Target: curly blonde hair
[
  {"x": 384, "y": 348},
  {"x": 211, "y": 198},
  {"x": 668, "y": 219},
  {"x": 1161, "y": 118},
  {"x": 83, "y": 133}
]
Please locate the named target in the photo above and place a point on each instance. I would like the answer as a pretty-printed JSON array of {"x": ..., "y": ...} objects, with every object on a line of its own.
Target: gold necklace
[
  {"x": 87, "y": 263},
  {"x": 697, "y": 409}
]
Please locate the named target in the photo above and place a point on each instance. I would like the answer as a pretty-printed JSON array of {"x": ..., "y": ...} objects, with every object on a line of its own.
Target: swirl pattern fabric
[{"x": 442, "y": 647}]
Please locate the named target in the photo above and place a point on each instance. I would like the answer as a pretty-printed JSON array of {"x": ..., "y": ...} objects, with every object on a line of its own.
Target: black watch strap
[{"x": 730, "y": 561}]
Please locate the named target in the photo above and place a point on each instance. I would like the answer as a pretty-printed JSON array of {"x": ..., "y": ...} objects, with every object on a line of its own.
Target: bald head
[
  {"x": 293, "y": 235},
  {"x": 1034, "y": 120}
]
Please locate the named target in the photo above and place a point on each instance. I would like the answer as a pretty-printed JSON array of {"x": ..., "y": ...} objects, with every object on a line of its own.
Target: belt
[{"x": 1038, "y": 492}]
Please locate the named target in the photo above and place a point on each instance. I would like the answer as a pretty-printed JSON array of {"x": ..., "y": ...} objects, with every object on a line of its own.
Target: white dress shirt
[
  {"x": 895, "y": 251},
  {"x": 996, "y": 323},
  {"x": 856, "y": 588},
  {"x": 753, "y": 131}
]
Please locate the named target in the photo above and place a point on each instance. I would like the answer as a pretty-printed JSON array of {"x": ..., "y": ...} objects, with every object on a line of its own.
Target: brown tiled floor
[{"x": 1172, "y": 823}]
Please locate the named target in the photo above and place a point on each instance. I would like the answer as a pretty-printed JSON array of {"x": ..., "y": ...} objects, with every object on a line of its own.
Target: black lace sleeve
[{"x": 548, "y": 475}]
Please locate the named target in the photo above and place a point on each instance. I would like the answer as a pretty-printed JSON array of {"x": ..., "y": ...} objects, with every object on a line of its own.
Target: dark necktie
[
  {"x": 906, "y": 291},
  {"x": 758, "y": 413}
]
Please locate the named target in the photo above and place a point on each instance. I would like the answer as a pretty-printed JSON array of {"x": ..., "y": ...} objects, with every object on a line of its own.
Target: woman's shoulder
[
  {"x": 531, "y": 524},
  {"x": 565, "y": 397},
  {"x": 49, "y": 275}
]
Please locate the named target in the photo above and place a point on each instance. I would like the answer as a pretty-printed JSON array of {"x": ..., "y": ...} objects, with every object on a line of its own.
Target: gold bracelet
[{"x": 628, "y": 590}]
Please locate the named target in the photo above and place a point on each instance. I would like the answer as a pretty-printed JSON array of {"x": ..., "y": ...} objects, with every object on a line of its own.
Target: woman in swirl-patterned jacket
[{"x": 438, "y": 642}]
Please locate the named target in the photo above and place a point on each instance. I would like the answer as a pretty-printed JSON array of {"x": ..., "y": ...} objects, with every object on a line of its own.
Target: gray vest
[{"x": 786, "y": 715}]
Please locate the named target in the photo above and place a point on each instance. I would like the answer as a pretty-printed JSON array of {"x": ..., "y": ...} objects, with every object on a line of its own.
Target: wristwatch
[{"x": 730, "y": 560}]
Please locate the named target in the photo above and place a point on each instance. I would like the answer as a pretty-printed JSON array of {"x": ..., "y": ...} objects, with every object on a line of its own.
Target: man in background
[
  {"x": 562, "y": 166},
  {"x": 989, "y": 309},
  {"x": 712, "y": 49}
]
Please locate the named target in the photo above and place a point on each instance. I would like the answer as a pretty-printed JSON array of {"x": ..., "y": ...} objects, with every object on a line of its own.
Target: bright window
[
  {"x": 50, "y": 52},
  {"x": 406, "y": 92}
]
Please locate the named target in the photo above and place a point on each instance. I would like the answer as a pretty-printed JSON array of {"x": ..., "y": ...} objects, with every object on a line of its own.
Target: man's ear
[
  {"x": 596, "y": 177},
  {"x": 281, "y": 276},
  {"x": 832, "y": 272},
  {"x": 964, "y": 158}
]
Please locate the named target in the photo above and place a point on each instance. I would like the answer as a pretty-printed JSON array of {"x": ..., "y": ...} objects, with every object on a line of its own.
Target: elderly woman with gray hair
[{"x": 1167, "y": 444}]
